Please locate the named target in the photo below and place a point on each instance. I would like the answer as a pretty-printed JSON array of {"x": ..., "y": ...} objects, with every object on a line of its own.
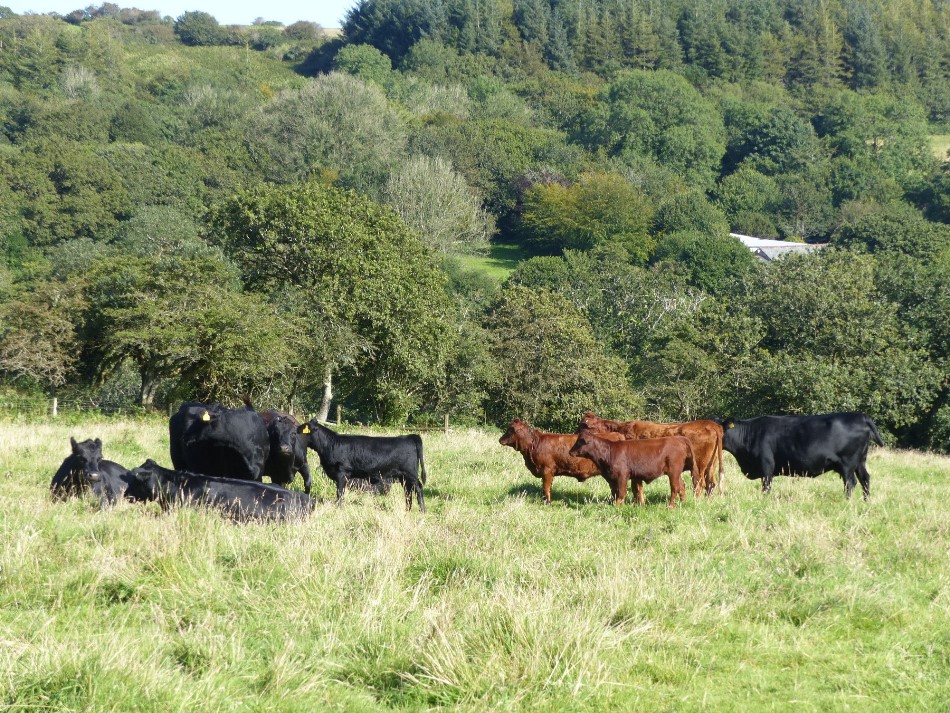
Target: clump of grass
[{"x": 491, "y": 600}]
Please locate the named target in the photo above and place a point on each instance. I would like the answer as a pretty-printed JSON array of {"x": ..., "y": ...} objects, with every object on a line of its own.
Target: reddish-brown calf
[
  {"x": 547, "y": 454},
  {"x": 704, "y": 436},
  {"x": 640, "y": 461}
]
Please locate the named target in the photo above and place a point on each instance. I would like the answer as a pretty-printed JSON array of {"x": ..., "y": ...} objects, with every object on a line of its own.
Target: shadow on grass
[{"x": 575, "y": 500}]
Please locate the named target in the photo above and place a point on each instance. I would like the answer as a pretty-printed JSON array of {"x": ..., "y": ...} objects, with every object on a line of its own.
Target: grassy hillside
[{"x": 798, "y": 601}]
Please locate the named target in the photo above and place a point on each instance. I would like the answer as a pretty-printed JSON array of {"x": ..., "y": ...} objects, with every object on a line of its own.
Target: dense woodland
[{"x": 189, "y": 210}]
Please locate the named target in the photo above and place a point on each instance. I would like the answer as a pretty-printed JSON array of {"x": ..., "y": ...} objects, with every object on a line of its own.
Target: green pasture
[
  {"x": 798, "y": 601},
  {"x": 499, "y": 262},
  {"x": 940, "y": 145}
]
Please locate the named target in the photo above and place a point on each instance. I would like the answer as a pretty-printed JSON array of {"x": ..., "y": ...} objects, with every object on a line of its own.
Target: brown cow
[
  {"x": 546, "y": 454},
  {"x": 640, "y": 460},
  {"x": 704, "y": 436}
]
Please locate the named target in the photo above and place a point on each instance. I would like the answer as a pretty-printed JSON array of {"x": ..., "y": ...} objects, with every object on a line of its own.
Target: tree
[
  {"x": 365, "y": 62},
  {"x": 659, "y": 115},
  {"x": 176, "y": 315},
  {"x": 598, "y": 208},
  {"x": 690, "y": 211},
  {"x": 896, "y": 228},
  {"x": 199, "y": 28},
  {"x": 435, "y": 201},
  {"x": 555, "y": 369},
  {"x": 335, "y": 122},
  {"x": 38, "y": 339},
  {"x": 368, "y": 279},
  {"x": 832, "y": 343},
  {"x": 709, "y": 262}
]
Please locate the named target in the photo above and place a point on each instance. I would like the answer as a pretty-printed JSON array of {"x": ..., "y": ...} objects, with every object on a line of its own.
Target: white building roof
[{"x": 768, "y": 250}]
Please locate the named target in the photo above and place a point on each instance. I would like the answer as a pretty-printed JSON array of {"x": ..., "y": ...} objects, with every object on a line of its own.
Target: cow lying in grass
[
  {"x": 85, "y": 470},
  {"x": 638, "y": 461},
  {"x": 240, "y": 500},
  {"x": 372, "y": 458},
  {"x": 548, "y": 454}
]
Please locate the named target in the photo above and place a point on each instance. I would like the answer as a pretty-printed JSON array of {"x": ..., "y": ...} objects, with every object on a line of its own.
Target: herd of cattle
[
  {"x": 638, "y": 452},
  {"x": 220, "y": 456}
]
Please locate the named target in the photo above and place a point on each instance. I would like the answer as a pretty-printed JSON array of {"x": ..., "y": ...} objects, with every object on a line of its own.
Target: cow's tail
[
  {"x": 719, "y": 447},
  {"x": 422, "y": 462},
  {"x": 875, "y": 436}
]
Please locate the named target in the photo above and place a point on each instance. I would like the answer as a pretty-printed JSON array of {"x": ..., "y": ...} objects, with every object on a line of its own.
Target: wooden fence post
[
  {"x": 446, "y": 423},
  {"x": 55, "y": 407},
  {"x": 339, "y": 414}
]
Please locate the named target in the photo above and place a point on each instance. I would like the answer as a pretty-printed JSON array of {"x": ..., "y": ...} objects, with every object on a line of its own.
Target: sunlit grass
[
  {"x": 797, "y": 601},
  {"x": 940, "y": 145}
]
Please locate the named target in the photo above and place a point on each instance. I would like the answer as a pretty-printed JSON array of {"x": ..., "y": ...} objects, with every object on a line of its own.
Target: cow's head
[
  {"x": 518, "y": 433},
  {"x": 86, "y": 457},
  {"x": 145, "y": 484},
  {"x": 592, "y": 421},
  {"x": 283, "y": 433},
  {"x": 582, "y": 447}
]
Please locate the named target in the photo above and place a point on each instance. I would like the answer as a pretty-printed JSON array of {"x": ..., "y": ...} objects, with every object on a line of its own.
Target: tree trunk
[
  {"x": 147, "y": 391},
  {"x": 327, "y": 396}
]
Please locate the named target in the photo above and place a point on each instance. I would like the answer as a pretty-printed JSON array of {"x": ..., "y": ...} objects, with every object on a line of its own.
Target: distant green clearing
[
  {"x": 799, "y": 601},
  {"x": 500, "y": 261},
  {"x": 940, "y": 145}
]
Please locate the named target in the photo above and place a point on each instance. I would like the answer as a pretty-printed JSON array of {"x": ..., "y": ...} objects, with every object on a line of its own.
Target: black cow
[
  {"x": 84, "y": 469},
  {"x": 241, "y": 500},
  {"x": 373, "y": 458},
  {"x": 288, "y": 450},
  {"x": 213, "y": 440},
  {"x": 804, "y": 446}
]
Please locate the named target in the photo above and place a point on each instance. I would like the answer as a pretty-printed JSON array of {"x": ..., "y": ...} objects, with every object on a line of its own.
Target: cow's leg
[
  {"x": 340, "y": 478},
  {"x": 307, "y": 481},
  {"x": 417, "y": 486},
  {"x": 547, "y": 479},
  {"x": 865, "y": 478},
  {"x": 621, "y": 494},
  {"x": 677, "y": 487},
  {"x": 614, "y": 490},
  {"x": 408, "y": 488},
  {"x": 698, "y": 474},
  {"x": 766, "y": 483},
  {"x": 638, "y": 492},
  {"x": 847, "y": 476}
]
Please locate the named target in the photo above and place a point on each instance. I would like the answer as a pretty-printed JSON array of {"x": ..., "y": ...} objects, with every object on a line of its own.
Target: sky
[{"x": 327, "y": 13}]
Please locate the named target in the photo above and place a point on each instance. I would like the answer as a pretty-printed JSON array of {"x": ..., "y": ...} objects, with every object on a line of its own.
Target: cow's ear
[
  {"x": 205, "y": 416},
  {"x": 72, "y": 443},
  {"x": 99, "y": 442}
]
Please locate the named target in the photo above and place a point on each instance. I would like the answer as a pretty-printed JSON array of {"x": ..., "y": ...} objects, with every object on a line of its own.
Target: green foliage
[
  {"x": 365, "y": 62},
  {"x": 690, "y": 211},
  {"x": 336, "y": 122},
  {"x": 598, "y": 208},
  {"x": 199, "y": 28},
  {"x": 367, "y": 278},
  {"x": 554, "y": 368},
  {"x": 749, "y": 200},
  {"x": 896, "y": 228},
  {"x": 435, "y": 201},
  {"x": 68, "y": 192},
  {"x": 661, "y": 116},
  {"x": 833, "y": 344},
  {"x": 708, "y": 261}
]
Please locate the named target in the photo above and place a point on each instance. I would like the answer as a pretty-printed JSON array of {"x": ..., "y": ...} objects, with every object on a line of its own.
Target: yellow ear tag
[
  {"x": 732, "y": 425},
  {"x": 205, "y": 416},
  {"x": 306, "y": 429}
]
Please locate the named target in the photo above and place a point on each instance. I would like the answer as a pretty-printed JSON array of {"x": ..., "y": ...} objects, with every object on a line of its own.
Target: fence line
[{"x": 54, "y": 408}]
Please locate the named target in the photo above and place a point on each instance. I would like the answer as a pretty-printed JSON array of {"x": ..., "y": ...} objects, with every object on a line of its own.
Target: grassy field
[
  {"x": 799, "y": 601},
  {"x": 498, "y": 263},
  {"x": 940, "y": 145}
]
